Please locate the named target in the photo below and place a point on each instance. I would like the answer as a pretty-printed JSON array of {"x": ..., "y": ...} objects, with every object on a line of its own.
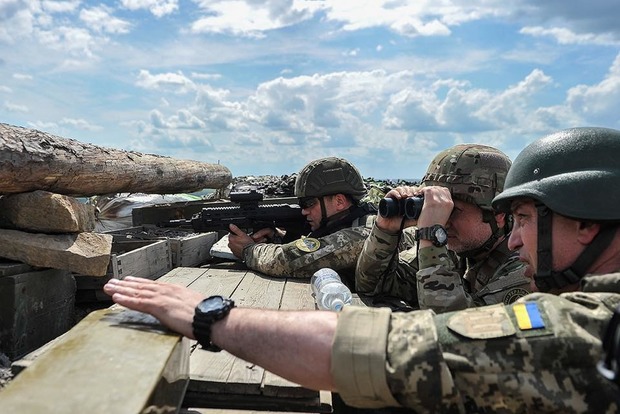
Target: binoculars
[{"x": 409, "y": 207}]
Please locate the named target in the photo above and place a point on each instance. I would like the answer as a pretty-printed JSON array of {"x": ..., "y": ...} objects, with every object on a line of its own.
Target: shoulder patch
[
  {"x": 308, "y": 244},
  {"x": 485, "y": 322},
  {"x": 528, "y": 316},
  {"x": 513, "y": 294}
]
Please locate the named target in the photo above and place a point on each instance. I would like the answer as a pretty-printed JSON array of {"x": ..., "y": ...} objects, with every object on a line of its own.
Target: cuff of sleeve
[
  {"x": 390, "y": 238},
  {"x": 432, "y": 256},
  {"x": 359, "y": 357},
  {"x": 246, "y": 253}
]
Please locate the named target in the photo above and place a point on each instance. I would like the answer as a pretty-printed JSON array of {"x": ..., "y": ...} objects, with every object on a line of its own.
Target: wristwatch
[
  {"x": 207, "y": 312},
  {"x": 436, "y": 234}
]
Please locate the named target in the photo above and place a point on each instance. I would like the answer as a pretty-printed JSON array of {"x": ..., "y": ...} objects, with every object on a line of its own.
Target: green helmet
[
  {"x": 328, "y": 176},
  {"x": 575, "y": 172},
  {"x": 473, "y": 173}
]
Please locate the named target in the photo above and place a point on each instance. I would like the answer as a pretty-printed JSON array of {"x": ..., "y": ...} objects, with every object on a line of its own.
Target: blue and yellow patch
[{"x": 528, "y": 316}]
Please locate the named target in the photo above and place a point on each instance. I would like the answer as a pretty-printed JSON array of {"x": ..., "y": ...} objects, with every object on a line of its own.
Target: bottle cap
[{"x": 337, "y": 304}]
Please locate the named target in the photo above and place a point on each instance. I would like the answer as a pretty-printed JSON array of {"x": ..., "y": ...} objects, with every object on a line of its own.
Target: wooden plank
[
  {"x": 182, "y": 276},
  {"x": 255, "y": 291},
  {"x": 149, "y": 262},
  {"x": 192, "y": 250},
  {"x": 258, "y": 403},
  {"x": 209, "y": 371},
  {"x": 104, "y": 365},
  {"x": 297, "y": 296}
]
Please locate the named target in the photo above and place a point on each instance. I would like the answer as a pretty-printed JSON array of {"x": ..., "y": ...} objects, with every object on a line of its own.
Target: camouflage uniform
[
  {"x": 435, "y": 278},
  {"x": 338, "y": 241},
  {"x": 301, "y": 258},
  {"x": 479, "y": 359}
]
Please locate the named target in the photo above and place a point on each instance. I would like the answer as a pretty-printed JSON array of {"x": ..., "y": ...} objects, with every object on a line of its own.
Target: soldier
[
  {"x": 458, "y": 188},
  {"x": 538, "y": 355},
  {"x": 329, "y": 192}
]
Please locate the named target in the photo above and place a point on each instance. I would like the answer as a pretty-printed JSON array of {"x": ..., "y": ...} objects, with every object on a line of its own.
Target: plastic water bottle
[{"x": 329, "y": 291}]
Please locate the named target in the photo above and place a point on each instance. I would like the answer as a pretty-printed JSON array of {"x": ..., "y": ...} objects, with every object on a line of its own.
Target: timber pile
[{"x": 43, "y": 225}]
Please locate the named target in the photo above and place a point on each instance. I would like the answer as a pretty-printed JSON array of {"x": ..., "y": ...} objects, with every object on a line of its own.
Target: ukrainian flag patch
[{"x": 528, "y": 316}]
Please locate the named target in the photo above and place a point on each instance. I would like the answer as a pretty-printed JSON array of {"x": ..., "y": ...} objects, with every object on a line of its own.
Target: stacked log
[{"x": 41, "y": 221}]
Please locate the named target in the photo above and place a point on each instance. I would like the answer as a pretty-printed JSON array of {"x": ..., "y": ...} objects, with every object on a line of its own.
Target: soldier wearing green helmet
[
  {"x": 540, "y": 354},
  {"x": 456, "y": 218},
  {"x": 330, "y": 191}
]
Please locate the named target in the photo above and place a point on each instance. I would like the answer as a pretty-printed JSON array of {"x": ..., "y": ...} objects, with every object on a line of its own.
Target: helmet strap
[
  {"x": 546, "y": 278},
  {"x": 323, "y": 212}
]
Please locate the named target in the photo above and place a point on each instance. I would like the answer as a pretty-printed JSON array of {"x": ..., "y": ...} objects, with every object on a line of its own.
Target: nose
[
  {"x": 305, "y": 211},
  {"x": 514, "y": 241}
]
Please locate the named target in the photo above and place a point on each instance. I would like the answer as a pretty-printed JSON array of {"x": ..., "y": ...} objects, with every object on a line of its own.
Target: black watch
[
  {"x": 207, "y": 312},
  {"x": 436, "y": 234}
]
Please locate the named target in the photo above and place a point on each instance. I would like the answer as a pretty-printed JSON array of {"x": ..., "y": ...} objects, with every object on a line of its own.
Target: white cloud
[
  {"x": 158, "y": 8},
  {"x": 71, "y": 40},
  {"x": 60, "y": 6},
  {"x": 5, "y": 89},
  {"x": 101, "y": 20},
  {"x": 601, "y": 101},
  {"x": 206, "y": 76},
  {"x": 22, "y": 76},
  {"x": 567, "y": 37},
  {"x": 80, "y": 124},
  {"x": 176, "y": 82},
  {"x": 11, "y": 107},
  {"x": 251, "y": 18}
]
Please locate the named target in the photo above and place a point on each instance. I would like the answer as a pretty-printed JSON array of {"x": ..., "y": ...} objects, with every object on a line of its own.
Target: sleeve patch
[
  {"x": 482, "y": 323},
  {"x": 308, "y": 244},
  {"x": 528, "y": 316}
]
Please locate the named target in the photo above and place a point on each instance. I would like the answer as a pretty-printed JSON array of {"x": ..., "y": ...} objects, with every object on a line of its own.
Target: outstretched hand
[{"x": 172, "y": 304}]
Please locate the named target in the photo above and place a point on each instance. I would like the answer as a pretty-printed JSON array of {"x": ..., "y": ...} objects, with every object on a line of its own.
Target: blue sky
[{"x": 263, "y": 87}]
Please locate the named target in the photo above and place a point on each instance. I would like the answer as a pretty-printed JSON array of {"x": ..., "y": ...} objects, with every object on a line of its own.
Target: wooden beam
[
  {"x": 34, "y": 160},
  {"x": 114, "y": 361},
  {"x": 85, "y": 253}
]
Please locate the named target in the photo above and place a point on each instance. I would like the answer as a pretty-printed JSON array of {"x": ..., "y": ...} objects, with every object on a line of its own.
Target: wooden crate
[
  {"x": 187, "y": 249},
  {"x": 192, "y": 250},
  {"x": 35, "y": 307},
  {"x": 141, "y": 258}
]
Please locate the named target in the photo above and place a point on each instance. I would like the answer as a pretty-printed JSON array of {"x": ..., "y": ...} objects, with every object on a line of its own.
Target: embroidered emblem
[
  {"x": 482, "y": 323},
  {"x": 308, "y": 244},
  {"x": 513, "y": 294},
  {"x": 528, "y": 316}
]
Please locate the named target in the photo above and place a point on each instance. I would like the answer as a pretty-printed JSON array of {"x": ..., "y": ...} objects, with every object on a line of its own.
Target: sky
[{"x": 263, "y": 87}]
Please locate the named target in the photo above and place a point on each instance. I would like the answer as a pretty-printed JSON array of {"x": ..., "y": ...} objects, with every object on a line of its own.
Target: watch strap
[
  {"x": 203, "y": 322},
  {"x": 429, "y": 233}
]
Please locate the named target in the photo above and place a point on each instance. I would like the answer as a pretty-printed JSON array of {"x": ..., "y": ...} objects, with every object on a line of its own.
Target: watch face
[
  {"x": 441, "y": 236},
  {"x": 210, "y": 304}
]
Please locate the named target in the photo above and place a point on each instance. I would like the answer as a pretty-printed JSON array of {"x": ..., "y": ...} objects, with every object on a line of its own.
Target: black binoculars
[{"x": 409, "y": 207}]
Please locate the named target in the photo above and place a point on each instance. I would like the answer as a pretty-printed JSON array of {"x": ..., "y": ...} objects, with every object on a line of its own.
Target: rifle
[{"x": 247, "y": 212}]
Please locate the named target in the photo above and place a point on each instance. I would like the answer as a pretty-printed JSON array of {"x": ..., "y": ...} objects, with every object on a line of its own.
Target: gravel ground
[{"x": 5, "y": 370}]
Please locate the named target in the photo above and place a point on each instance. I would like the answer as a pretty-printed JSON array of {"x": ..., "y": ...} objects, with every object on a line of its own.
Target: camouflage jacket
[
  {"x": 536, "y": 355},
  {"x": 302, "y": 257},
  {"x": 436, "y": 278}
]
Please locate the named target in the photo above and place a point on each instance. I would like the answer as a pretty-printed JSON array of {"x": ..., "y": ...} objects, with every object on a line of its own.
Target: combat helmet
[
  {"x": 474, "y": 173},
  {"x": 328, "y": 176},
  {"x": 576, "y": 173}
]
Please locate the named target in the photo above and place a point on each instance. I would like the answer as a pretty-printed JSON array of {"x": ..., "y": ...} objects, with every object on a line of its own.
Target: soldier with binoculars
[{"x": 461, "y": 259}]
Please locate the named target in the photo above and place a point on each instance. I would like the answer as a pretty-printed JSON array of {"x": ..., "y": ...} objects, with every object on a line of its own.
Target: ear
[
  {"x": 587, "y": 231},
  {"x": 500, "y": 218},
  {"x": 341, "y": 202}
]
